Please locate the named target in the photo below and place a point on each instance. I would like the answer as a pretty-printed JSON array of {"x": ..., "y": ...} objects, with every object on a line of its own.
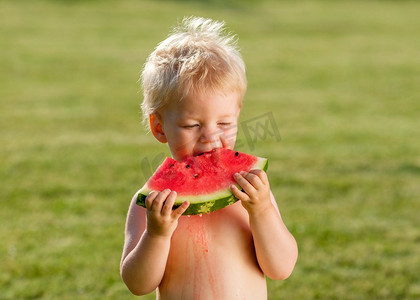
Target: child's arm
[
  {"x": 147, "y": 241},
  {"x": 275, "y": 247}
]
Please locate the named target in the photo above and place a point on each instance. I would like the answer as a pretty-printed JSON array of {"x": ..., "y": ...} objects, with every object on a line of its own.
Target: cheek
[
  {"x": 180, "y": 145},
  {"x": 230, "y": 134},
  {"x": 183, "y": 137}
]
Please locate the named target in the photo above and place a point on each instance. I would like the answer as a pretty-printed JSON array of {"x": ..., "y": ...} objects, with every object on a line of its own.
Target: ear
[{"x": 156, "y": 127}]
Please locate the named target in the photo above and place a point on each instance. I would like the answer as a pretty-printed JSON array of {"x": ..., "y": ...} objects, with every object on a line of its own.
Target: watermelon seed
[
  {"x": 187, "y": 166},
  {"x": 195, "y": 175},
  {"x": 171, "y": 165},
  {"x": 236, "y": 153}
]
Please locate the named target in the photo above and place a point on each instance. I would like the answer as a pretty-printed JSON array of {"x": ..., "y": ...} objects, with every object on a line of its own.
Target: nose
[{"x": 208, "y": 135}]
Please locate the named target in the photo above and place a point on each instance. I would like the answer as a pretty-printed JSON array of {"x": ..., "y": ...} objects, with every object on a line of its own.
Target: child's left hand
[{"x": 255, "y": 196}]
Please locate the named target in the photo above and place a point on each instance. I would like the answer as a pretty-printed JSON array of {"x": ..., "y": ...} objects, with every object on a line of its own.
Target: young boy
[{"x": 193, "y": 84}]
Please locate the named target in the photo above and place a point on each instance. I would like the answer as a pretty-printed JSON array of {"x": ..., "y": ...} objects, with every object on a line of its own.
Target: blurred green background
[{"x": 341, "y": 79}]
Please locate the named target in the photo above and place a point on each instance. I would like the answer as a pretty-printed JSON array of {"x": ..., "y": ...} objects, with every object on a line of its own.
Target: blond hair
[{"x": 198, "y": 56}]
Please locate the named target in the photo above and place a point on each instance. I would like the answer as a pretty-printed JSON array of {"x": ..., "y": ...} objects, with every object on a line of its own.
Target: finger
[
  {"x": 238, "y": 193},
  {"x": 180, "y": 210},
  {"x": 149, "y": 199},
  {"x": 245, "y": 184},
  {"x": 253, "y": 179},
  {"x": 169, "y": 203},
  {"x": 261, "y": 174},
  {"x": 158, "y": 202}
]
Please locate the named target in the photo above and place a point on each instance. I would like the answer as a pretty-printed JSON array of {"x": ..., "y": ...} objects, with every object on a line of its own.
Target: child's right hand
[{"x": 162, "y": 220}]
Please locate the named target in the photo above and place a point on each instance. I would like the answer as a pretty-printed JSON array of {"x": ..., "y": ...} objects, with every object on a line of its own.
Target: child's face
[{"x": 198, "y": 123}]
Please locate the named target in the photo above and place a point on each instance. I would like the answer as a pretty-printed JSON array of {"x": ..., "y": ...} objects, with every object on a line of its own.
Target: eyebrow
[
  {"x": 191, "y": 115},
  {"x": 226, "y": 116}
]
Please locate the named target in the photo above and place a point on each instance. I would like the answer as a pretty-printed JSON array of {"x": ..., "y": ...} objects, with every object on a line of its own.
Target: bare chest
[{"x": 212, "y": 255}]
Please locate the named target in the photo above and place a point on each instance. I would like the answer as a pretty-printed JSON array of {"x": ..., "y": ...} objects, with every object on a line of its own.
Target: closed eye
[
  {"x": 190, "y": 126},
  {"x": 224, "y": 123}
]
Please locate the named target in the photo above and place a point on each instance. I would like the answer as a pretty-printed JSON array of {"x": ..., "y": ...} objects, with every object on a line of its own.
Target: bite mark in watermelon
[{"x": 202, "y": 180}]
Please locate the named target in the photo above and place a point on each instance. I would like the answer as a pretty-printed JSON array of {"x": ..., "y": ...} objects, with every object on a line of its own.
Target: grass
[{"x": 339, "y": 77}]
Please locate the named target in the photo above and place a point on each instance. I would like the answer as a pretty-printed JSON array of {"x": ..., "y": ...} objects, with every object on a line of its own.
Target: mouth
[{"x": 205, "y": 152}]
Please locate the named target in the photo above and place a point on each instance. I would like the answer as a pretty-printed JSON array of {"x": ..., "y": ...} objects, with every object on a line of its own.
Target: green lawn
[{"x": 341, "y": 79}]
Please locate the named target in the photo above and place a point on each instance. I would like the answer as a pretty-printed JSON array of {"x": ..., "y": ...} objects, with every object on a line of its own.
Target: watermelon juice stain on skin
[{"x": 197, "y": 227}]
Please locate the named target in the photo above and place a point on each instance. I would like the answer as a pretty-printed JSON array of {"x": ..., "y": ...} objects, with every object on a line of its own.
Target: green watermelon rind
[{"x": 202, "y": 204}]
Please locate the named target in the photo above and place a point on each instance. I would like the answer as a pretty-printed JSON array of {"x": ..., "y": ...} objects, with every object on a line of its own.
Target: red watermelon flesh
[{"x": 203, "y": 180}]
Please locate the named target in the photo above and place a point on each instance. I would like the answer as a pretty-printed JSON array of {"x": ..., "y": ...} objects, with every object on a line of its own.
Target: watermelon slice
[{"x": 203, "y": 180}]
